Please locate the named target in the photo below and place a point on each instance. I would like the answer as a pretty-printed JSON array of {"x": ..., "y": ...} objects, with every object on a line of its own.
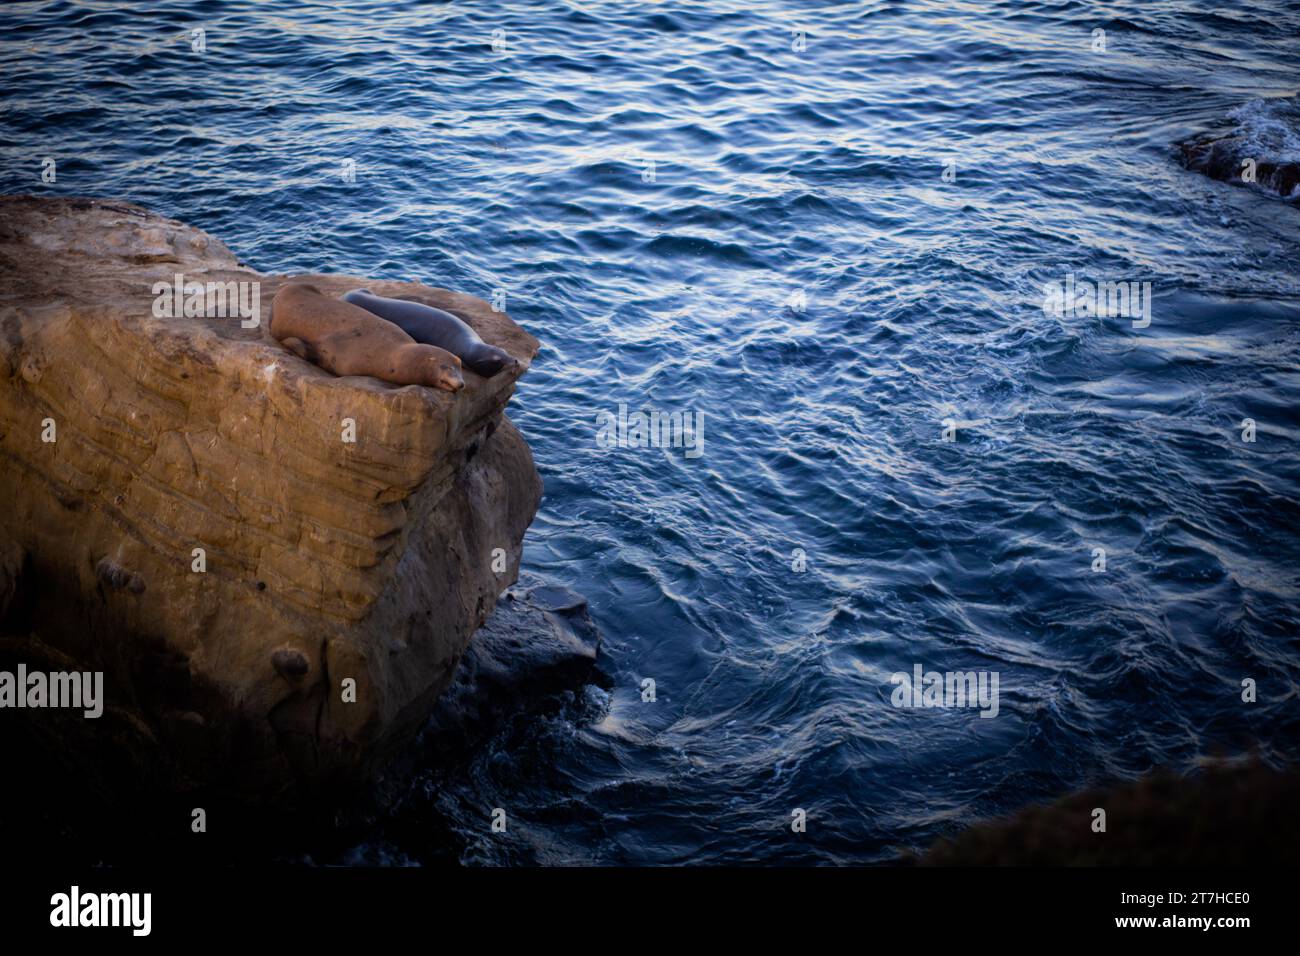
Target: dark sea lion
[
  {"x": 347, "y": 340},
  {"x": 433, "y": 326}
]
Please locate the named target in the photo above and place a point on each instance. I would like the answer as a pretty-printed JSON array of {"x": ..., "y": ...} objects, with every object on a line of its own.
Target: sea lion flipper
[{"x": 299, "y": 348}]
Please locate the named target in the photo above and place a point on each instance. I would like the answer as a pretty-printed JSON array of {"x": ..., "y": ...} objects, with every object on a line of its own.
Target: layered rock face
[{"x": 277, "y": 569}]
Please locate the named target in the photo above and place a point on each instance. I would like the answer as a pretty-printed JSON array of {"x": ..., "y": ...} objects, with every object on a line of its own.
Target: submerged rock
[
  {"x": 539, "y": 642},
  {"x": 1260, "y": 149},
  {"x": 291, "y": 561}
]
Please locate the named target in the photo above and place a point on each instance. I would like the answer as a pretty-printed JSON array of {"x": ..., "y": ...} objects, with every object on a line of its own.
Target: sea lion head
[
  {"x": 443, "y": 371},
  {"x": 488, "y": 360}
]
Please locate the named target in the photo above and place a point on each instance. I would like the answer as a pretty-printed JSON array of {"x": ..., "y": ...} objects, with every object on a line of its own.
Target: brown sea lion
[{"x": 347, "y": 340}]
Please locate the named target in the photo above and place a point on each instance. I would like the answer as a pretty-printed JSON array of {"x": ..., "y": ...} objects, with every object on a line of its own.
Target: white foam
[{"x": 1269, "y": 129}]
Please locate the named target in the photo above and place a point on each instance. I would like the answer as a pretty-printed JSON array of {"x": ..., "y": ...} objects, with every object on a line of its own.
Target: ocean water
[{"x": 739, "y": 210}]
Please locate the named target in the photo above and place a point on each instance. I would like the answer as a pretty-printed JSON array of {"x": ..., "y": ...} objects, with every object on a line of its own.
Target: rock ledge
[{"x": 324, "y": 559}]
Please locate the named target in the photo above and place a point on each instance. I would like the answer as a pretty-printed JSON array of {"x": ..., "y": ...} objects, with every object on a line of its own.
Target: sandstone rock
[{"x": 195, "y": 442}]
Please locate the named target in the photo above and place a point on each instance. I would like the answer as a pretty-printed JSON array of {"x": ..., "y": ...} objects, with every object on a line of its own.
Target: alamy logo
[
  {"x": 1105, "y": 300},
  {"x": 212, "y": 300},
  {"x": 651, "y": 430},
  {"x": 103, "y": 909},
  {"x": 74, "y": 690},
  {"x": 948, "y": 689}
]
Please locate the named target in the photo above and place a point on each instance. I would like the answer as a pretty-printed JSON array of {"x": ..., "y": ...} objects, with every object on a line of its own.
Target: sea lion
[
  {"x": 433, "y": 326},
  {"x": 347, "y": 340}
]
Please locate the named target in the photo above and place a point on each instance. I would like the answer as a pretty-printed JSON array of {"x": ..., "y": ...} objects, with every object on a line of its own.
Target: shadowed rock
[
  {"x": 113, "y": 575},
  {"x": 290, "y": 663},
  {"x": 12, "y": 561},
  {"x": 1225, "y": 815},
  {"x": 539, "y": 641},
  {"x": 1222, "y": 159},
  {"x": 1261, "y": 149}
]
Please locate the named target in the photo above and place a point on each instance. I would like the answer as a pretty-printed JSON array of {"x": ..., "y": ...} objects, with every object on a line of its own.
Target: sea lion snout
[
  {"x": 446, "y": 374},
  {"x": 488, "y": 360}
]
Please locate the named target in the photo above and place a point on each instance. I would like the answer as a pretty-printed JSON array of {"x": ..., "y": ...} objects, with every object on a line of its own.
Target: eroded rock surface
[{"x": 180, "y": 441}]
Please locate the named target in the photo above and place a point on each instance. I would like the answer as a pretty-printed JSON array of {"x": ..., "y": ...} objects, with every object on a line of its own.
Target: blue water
[{"x": 779, "y": 173}]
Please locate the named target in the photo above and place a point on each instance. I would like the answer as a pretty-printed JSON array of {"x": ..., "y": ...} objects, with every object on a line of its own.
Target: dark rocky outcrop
[
  {"x": 540, "y": 641},
  {"x": 536, "y": 655},
  {"x": 1228, "y": 814},
  {"x": 1223, "y": 159},
  {"x": 1259, "y": 148}
]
